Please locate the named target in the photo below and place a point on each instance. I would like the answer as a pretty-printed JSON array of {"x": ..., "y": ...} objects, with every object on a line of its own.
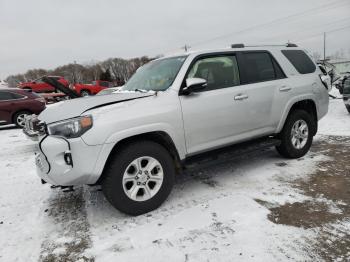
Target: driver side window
[{"x": 219, "y": 72}]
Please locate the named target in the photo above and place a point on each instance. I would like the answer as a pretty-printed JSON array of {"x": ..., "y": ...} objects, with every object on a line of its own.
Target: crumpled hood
[{"x": 75, "y": 107}]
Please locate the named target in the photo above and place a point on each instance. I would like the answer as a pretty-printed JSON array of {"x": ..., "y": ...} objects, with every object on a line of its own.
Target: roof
[{"x": 227, "y": 49}]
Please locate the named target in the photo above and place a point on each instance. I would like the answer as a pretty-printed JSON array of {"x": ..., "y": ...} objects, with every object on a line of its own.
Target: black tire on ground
[
  {"x": 85, "y": 93},
  {"x": 286, "y": 148},
  {"x": 18, "y": 118},
  {"x": 112, "y": 183}
]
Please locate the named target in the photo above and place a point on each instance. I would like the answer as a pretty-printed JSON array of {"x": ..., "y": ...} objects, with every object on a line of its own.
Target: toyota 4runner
[{"x": 134, "y": 141}]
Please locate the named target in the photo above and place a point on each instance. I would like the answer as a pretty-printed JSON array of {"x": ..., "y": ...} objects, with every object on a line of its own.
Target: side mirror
[{"x": 194, "y": 85}]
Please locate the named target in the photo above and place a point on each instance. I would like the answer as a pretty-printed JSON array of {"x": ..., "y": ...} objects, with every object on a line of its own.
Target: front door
[{"x": 230, "y": 109}]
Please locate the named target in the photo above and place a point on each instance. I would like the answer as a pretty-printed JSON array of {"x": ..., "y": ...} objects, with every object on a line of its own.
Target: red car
[
  {"x": 16, "y": 103},
  {"x": 39, "y": 86},
  {"x": 91, "y": 89}
]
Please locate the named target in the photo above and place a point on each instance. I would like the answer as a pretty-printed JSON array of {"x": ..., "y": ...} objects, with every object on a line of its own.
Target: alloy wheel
[{"x": 143, "y": 178}]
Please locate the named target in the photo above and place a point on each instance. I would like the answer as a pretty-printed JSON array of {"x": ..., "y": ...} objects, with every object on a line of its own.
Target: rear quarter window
[
  {"x": 301, "y": 61},
  {"x": 347, "y": 86}
]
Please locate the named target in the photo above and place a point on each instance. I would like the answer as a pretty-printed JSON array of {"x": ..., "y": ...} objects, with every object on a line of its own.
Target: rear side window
[
  {"x": 5, "y": 95},
  {"x": 301, "y": 61},
  {"x": 9, "y": 96},
  {"x": 347, "y": 86},
  {"x": 259, "y": 67}
]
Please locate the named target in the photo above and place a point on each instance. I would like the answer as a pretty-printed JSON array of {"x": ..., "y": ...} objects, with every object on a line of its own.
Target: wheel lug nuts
[
  {"x": 136, "y": 177},
  {"x": 144, "y": 183},
  {"x": 138, "y": 183}
]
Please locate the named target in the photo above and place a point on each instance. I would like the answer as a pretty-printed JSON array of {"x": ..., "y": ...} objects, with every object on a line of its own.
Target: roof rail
[
  {"x": 242, "y": 45},
  {"x": 237, "y": 46}
]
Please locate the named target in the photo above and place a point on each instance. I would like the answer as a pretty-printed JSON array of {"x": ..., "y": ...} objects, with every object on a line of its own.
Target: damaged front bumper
[
  {"x": 60, "y": 161},
  {"x": 64, "y": 162}
]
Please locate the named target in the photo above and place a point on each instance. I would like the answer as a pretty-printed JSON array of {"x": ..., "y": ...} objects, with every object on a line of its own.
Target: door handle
[
  {"x": 285, "y": 88},
  {"x": 241, "y": 97}
]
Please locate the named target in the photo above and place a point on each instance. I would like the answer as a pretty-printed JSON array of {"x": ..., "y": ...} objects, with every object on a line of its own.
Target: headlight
[{"x": 71, "y": 128}]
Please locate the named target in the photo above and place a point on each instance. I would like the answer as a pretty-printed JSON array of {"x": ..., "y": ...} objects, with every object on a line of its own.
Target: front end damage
[{"x": 60, "y": 161}]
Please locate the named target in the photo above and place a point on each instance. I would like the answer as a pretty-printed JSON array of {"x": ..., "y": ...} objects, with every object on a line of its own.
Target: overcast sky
[{"x": 49, "y": 33}]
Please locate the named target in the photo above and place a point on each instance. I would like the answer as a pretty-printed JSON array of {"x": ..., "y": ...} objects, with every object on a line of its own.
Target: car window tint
[
  {"x": 258, "y": 67},
  {"x": 104, "y": 84},
  {"x": 278, "y": 71},
  {"x": 347, "y": 86},
  {"x": 220, "y": 72},
  {"x": 16, "y": 96},
  {"x": 4, "y": 95},
  {"x": 301, "y": 61}
]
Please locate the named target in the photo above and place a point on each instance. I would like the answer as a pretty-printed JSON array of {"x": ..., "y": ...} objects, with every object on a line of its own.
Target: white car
[{"x": 134, "y": 143}]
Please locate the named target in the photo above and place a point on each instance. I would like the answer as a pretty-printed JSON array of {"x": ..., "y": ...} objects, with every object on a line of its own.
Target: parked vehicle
[
  {"x": 16, "y": 104},
  {"x": 174, "y": 109},
  {"x": 91, "y": 89},
  {"x": 109, "y": 91},
  {"x": 346, "y": 93},
  {"x": 39, "y": 86}
]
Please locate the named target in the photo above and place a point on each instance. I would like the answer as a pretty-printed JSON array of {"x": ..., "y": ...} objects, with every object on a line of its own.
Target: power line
[
  {"x": 289, "y": 35},
  {"x": 331, "y": 31},
  {"x": 275, "y": 21}
]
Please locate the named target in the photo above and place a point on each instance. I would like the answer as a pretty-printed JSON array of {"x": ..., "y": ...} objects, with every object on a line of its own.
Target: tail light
[{"x": 324, "y": 82}]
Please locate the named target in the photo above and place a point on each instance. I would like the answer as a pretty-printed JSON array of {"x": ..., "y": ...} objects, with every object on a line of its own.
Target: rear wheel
[
  {"x": 139, "y": 178},
  {"x": 297, "y": 134},
  {"x": 19, "y": 118},
  {"x": 85, "y": 93}
]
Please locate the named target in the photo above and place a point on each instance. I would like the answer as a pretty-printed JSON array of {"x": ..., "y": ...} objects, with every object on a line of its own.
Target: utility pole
[
  {"x": 186, "y": 47},
  {"x": 324, "y": 47}
]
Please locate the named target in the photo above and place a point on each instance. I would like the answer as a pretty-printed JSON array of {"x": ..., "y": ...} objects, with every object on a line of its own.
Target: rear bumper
[{"x": 64, "y": 162}]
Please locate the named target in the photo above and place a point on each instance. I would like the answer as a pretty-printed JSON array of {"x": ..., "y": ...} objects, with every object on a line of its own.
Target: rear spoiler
[{"x": 59, "y": 86}]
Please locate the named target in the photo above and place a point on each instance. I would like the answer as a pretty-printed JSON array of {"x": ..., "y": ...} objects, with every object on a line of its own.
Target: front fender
[{"x": 113, "y": 139}]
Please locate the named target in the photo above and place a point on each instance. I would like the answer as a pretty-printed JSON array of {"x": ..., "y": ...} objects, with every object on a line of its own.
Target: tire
[
  {"x": 85, "y": 93},
  {"x": 122, "y": 167},
  {"x": 291, "y": 146},
  {"x": 18, "y": 118}
]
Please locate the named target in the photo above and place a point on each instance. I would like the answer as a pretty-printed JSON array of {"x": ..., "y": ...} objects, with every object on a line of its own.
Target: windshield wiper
[{"x": 140, "y": 90}]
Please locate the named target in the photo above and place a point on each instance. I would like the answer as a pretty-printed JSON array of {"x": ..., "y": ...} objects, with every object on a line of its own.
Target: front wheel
[
  {"x": 139, "y": 178},
  {"x": 297, "y": 134}
]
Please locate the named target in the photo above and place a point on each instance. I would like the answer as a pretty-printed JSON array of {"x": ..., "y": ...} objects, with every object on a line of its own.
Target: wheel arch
[
  {"x": 307, "y": 104},
  {"x": 160, "y": 137}
]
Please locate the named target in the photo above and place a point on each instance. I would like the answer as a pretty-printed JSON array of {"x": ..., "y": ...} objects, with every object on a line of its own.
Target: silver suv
[{"x": 134, "y": 141}]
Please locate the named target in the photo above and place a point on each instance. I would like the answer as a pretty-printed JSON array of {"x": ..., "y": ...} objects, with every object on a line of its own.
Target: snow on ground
[
  {"x": 215, "y": 212},
  {"x": 337, "y": 121}
]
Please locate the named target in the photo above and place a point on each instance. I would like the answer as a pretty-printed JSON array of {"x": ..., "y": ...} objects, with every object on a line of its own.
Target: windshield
[{"x": 157, "y": 75}]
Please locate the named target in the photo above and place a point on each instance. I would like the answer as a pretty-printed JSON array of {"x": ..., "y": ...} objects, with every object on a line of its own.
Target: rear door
[{"x": 262, "y": 81}]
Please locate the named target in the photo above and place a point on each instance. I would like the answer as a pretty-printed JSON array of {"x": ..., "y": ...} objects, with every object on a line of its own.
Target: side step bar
[{"x": 225, "y": 154}]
